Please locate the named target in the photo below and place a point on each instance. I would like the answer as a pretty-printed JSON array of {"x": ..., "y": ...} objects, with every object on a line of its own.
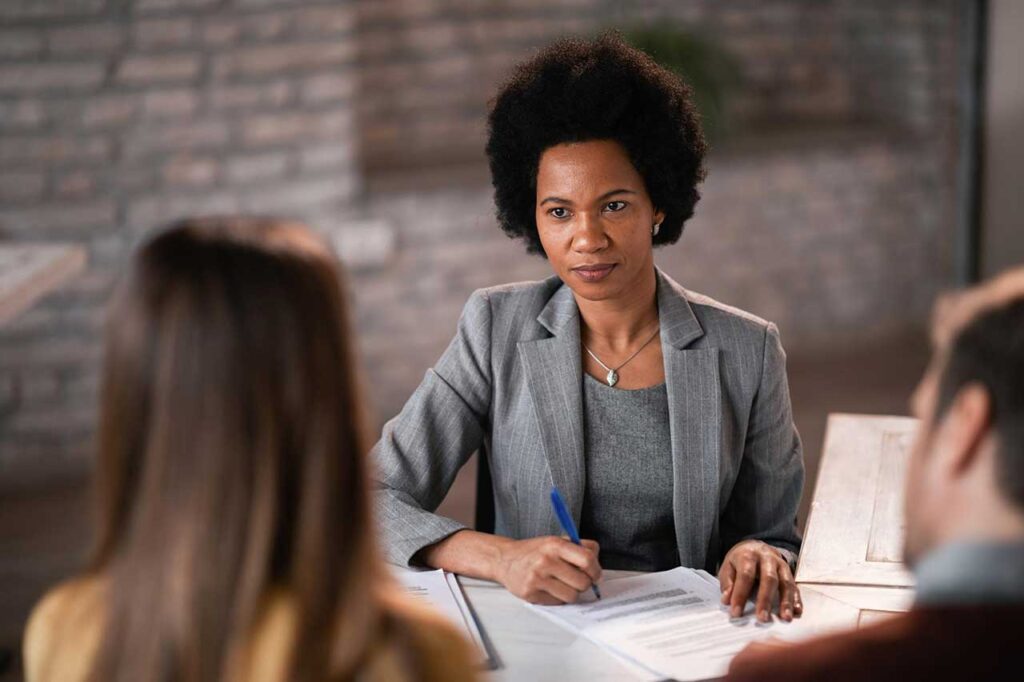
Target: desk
[
  {"x": 531, "y": 647},
  {"x": 850, "y": 571},
  {"x": 30, "y": 271}
]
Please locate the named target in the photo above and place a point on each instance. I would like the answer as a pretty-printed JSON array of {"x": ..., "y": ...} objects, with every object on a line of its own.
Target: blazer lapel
[
  {"x": 694, "y": 408},
  {"x": 554, "y": 376}
]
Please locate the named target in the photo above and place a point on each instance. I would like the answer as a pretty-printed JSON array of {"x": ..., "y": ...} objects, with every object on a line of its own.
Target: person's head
[
  {"x": 591, "y": 145},
  {"x": 231, "y": 454},
  {"x": 966, "y": 473}
]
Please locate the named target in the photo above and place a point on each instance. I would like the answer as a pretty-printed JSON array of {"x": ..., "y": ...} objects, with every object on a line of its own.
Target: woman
[
  {"x": 661, "y": 415},
  {"x": 235, "y": 538}
]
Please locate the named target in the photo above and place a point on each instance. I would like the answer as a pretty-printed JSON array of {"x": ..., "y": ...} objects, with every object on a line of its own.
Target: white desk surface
[
  {"x": 30, "y": 271},
  {"x": 530, "y": 647}
]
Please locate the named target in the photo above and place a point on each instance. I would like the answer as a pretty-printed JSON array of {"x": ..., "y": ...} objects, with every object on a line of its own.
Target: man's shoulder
[
  {"x": 917, "y": 645},
  {"x": 812, "y": 659}
]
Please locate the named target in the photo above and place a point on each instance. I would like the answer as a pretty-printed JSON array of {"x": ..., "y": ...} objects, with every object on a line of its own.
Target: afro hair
[{"x": 579, "y": 90}]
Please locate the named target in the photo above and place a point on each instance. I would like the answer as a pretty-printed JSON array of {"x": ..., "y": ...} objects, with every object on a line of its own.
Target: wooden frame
[{"x": 855, "y": 530}]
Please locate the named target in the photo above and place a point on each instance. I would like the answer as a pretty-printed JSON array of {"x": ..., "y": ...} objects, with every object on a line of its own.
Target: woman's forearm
[
  {"x": 541, "y": 570},
  {"x": 467, "y": 552}
]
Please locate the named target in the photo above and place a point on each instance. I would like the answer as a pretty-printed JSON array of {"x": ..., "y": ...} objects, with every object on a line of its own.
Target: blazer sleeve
[
  {"x": 441, "y": 426},
  {"x": 766, "y": 495}
]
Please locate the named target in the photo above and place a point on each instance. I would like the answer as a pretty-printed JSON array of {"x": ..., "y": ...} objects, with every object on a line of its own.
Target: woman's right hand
[{"x": 548, "y": 570}]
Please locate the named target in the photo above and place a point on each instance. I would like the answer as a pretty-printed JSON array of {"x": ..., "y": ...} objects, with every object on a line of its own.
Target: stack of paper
[
  {"x": 670, "y": 623},
  {"x": 441, "y": 590}
]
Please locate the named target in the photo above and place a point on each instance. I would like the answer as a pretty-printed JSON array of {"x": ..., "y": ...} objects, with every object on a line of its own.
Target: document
[
  {"x": 441, "y": 590},
  {"x": 671, "y": 623}
]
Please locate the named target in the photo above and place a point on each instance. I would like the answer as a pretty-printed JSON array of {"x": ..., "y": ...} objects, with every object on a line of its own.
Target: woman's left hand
[{"x": 751, "y": 564}]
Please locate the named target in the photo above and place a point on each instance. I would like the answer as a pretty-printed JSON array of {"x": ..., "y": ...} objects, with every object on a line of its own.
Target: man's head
[{"x": 966, "y": 472}]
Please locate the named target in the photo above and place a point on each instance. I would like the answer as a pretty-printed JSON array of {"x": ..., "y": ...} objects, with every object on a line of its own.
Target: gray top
[
  {"x": 971, "y": 574},
  {"x": 627, "y": 501}
]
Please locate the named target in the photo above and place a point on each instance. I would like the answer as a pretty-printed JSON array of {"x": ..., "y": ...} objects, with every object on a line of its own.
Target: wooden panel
[
  {"x": 885, "y": 542},
  {"x": 828, "y": 608},
  {"x": 30, "y": 271},
  {"x": 855, "y": 530}
]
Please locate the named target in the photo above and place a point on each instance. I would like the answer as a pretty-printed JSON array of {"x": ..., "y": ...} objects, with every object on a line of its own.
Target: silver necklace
[{"x": 613, "y": 372}]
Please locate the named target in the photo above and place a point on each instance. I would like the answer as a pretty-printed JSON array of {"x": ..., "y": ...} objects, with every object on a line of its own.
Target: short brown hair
[{"x": 989, "y": 350}]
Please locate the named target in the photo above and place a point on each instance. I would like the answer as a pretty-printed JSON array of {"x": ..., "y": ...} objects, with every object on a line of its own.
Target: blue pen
[{"x": 568, "y": 526}]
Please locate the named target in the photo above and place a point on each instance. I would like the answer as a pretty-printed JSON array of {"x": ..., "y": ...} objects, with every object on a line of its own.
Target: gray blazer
[{"x": 510, "y": 385}]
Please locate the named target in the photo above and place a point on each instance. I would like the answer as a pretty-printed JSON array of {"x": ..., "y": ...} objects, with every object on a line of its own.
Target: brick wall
[
  {"x": 429, "y": 67},
  {"x": 117, "y": 116},
  {"x": 366, "y": 119}
]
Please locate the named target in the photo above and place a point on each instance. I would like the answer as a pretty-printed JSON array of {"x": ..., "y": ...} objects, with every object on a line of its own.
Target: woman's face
[{"x": 594, "y": 218}]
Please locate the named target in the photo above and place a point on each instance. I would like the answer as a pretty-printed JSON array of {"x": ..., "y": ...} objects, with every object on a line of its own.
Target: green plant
[{"x": 710, "y": 70}]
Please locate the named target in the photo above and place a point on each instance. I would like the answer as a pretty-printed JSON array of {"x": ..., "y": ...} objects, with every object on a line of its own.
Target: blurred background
[{"x": 865, "y": 156}]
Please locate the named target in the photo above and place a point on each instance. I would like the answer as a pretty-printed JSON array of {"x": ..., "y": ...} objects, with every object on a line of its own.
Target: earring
[{"x": 654, "y": 230}]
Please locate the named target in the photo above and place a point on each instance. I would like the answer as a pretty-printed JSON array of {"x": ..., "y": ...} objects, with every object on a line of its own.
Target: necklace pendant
[{"x": 613, "y": 377}]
